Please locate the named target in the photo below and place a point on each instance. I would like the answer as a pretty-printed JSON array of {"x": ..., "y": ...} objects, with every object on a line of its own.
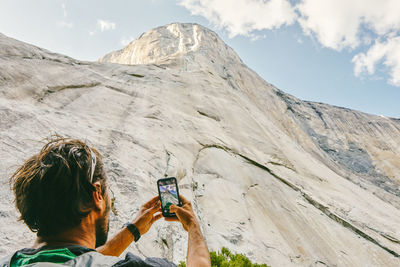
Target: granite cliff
[{"x": 286, "y": 182}]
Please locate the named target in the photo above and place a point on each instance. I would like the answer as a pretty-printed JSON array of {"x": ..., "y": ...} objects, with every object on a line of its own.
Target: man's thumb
[{"x": 173, "y": 208}]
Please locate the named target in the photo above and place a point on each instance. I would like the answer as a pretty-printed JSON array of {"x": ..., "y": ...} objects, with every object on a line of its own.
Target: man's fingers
[
  {"x": 157, "y": 217},
  {"x": 171, "y": 219},
  {"x": 172, "y": 208},
  {"x": 156, "y": 204},
  {"x": 154, "y": 199},
  {"x": 156, "y": 207},
  {"x": 151, "y": 202}
]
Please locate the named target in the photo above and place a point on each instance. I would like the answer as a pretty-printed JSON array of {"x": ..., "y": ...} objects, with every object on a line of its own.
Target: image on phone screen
[{"x": 168, "y": 194}]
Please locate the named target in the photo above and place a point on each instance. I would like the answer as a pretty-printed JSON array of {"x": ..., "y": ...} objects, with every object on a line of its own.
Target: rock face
[{"x": 284, "y": 181}]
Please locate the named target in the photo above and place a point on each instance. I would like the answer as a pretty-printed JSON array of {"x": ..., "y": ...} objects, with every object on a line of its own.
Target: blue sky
[{"x": 340, "y": 52}]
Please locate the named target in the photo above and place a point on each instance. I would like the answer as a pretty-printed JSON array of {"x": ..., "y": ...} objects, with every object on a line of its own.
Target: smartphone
[{"x": 169, "y": 194}]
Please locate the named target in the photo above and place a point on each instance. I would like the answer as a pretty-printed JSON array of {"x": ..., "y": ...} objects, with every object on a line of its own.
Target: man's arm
[
  {"x": 143, "y": 221},
  {"x": 197, "y": 253}
]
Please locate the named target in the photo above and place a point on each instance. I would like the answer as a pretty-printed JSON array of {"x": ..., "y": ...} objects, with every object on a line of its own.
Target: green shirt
[{"x": 59, "y": 255}]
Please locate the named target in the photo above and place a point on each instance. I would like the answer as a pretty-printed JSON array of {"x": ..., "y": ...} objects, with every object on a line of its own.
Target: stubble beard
[{"x": 102, "y": 228}]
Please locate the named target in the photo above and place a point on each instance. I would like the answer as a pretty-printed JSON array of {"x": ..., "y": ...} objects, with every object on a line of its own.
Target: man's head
[{"x": 54, "y": 190}]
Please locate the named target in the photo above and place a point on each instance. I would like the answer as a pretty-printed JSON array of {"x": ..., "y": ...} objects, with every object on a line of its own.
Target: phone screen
[{"x": 169, "y": 194}]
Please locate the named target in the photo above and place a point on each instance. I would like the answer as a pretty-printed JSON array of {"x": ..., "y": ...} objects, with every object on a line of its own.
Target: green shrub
[{"x": 225, "y": 258}]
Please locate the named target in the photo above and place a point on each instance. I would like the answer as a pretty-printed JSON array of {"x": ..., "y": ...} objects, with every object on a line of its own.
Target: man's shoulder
[
  {"x": 97, "y": 259},
  {"x": 133, "y": 260},
  {"x": 94, "y": 258},
  {"x": 4, "y": 262}
]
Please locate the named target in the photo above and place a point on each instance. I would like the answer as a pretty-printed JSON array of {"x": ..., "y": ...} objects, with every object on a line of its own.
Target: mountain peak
[{"x": 171, "y": 43}]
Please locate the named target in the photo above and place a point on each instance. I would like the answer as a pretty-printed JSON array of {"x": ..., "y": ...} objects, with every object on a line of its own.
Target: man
[{"x": 63, "y": 196}]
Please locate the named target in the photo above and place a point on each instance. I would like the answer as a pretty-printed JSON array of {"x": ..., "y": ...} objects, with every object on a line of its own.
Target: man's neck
[{"x": 80, "y": 235}]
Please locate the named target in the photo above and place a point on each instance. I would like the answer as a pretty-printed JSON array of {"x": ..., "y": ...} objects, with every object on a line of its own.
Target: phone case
[{"x": 168, "y": 179}]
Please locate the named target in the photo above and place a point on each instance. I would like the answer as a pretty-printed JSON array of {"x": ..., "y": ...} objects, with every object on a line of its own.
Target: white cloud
[
  {"x": 102, "y": 26},
  {"x": 336, "y": 24},
  {"x": 65, "y": 24},
  {"x": 387, "y": 52},
  {"x": 126, "y": 40},
  {"x": 105, "y": 25},
  {"x": 241, "y": 17},
  {"x": 64, "y": 10},
  {"x": 256, "y": 37},
  {"x": 340, "y": 24}
]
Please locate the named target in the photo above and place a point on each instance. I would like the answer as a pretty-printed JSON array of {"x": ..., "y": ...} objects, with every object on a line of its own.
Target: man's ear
[{"x": 98, "y": 196}]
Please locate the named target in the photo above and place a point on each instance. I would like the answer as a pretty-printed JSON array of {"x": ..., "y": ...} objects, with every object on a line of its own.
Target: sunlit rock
[{"x": 286, "y": 182}]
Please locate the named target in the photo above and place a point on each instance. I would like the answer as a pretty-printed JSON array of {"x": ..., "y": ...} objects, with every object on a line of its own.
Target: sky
[{"x": 341, "y": 52}]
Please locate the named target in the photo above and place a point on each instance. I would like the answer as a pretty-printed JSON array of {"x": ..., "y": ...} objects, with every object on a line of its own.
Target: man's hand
[
  {"x": 197, "y": 253},
  {"x": 147, "y": 215},
  {"x": 143, "y": 221},
  {"x": 185, "y": 214}
]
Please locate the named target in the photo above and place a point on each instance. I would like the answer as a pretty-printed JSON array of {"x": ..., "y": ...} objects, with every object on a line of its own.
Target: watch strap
[{"x": 133, "y": 229}]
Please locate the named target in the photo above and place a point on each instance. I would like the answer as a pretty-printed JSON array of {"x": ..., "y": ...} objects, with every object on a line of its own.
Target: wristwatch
[{"x": 133, "y": 229}]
